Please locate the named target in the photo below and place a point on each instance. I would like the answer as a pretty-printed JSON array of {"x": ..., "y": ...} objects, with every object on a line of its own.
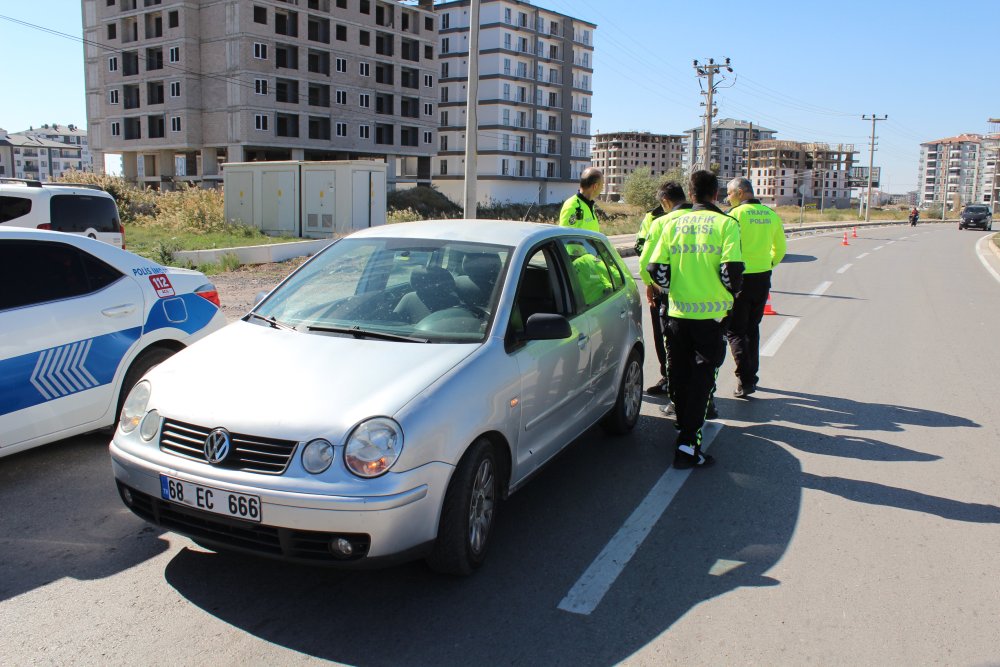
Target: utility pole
[
  {"x": 709, "y": 71},
  {"x": 471, "y": 117},
  {"x": 871, "y": 163}
]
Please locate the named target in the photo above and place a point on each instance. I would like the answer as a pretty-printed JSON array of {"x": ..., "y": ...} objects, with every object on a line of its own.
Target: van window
[
  {"x": 78, "y": 213},
  {"x": 14, "y": 207}
]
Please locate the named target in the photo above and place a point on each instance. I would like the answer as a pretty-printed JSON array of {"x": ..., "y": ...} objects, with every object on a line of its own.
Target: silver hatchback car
[{"x": 380, "y": 402}]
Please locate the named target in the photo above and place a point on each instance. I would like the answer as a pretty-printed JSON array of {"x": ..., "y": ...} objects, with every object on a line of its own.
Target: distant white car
[
  {"x": 82, "y": 322},
  {"x": 73, "y": 208}
]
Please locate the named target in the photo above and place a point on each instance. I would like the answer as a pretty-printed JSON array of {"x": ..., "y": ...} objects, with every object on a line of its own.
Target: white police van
[
  {"x": 73, "y": 208},
  {"x": 82, "y": 322}
]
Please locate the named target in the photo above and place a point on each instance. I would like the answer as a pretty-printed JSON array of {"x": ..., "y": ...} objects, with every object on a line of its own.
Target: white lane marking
[
  {"x": 862, "y": 255},
  {"x": 770, "y": 348},
  {"x": 844, "y": 268},
  {"x": 878, "y": 248},
  {"x": 596, "y": 581},
  {"x": 890, "y": 242},
  {"x": 823, "y": 287},
  {"x": 981, "y": 253}
]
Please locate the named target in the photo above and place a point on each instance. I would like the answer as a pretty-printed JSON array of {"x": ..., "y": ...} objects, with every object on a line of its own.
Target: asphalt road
[{"x": 853, "y": 517}]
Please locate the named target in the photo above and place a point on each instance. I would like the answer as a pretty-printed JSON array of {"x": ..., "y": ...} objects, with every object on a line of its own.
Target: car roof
[
  {"x": 22, "y": 189},
  {"x": 500, "y": 232},
  {"x": 115, "y": 256}
]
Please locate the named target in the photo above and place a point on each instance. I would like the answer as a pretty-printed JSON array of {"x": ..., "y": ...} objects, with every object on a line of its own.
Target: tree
[{"x": 639, "y": 189}]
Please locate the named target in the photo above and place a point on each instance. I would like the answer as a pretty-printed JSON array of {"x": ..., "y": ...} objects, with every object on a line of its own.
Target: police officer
[
  {"x": 698, "y": 258},
  {"x": 672, "y": 200},
  {"x": 578, "y": 210},
  {"x": 763, "y": 241}
]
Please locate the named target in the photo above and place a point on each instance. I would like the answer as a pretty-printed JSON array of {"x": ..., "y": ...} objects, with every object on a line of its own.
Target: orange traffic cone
[
  {"x": 854, "y": 232},
  {"x": 768, "y": 310},
  {"x": 845, "y": 240}
]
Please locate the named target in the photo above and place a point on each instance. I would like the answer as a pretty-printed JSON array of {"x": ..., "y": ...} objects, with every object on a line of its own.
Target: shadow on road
[
  {"x": 60, "y": 516},
  {"x": 797, "y": 259}
]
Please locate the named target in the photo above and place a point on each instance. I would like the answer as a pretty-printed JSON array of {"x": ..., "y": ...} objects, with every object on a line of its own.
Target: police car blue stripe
[{"x": 38, "y": 377}]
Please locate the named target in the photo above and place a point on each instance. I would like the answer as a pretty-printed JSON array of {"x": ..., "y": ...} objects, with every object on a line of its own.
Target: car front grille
[
  {"x": 250, "y": 453},
  {"x": 299, "y": 545}
]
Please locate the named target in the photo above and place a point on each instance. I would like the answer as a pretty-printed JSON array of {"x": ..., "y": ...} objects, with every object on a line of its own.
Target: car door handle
[
  {"x": 623, "y": 314},
  {"x": 119, "y": 311},
  {"x": 582, "y": 340}
]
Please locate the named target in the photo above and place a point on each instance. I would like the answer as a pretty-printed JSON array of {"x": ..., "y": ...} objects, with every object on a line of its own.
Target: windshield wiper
[
  {"x": 275, "y": 324},
  {"x": 358, "y": 332}
]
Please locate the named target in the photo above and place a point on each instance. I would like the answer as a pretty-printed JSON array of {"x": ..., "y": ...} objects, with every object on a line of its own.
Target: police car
[{"x": 82, "y": 322}]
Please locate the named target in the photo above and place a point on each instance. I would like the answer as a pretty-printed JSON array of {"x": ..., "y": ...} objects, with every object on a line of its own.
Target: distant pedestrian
[
  {"x": 578, "y": 210},
  {"x": 698, "y": 259},
  {"x": 672, "y": 202},
  {"x": 762, "y": 239},
  {"x": 914, "y": 216}
]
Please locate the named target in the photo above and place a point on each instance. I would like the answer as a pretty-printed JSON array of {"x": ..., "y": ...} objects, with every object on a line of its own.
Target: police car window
[
  {"x": 42, "y": 272},
  {"x": 12, "y": 208},
  {"x": 99, "y": 274},
  {"x": 79, "y": 213},
  {"x": 614, "y": 270},
  {"x": 592, "y": 274}
]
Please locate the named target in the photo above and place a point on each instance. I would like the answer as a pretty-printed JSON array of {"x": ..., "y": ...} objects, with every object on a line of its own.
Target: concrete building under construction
[
  {"x": 782, "y": 171},
  {"x": 618, "y": 154}
]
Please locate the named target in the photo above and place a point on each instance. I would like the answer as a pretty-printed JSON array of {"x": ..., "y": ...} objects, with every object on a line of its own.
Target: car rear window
[
  {"x": 975, "y": 209},
  {"x": 14, "y": 207},
  {"x": 79, "y": 213}
]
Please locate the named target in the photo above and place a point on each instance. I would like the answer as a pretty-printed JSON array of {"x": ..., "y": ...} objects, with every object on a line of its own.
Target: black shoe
[
  {"x": 687, "y": 456},
  {"x": 744, "y": 390},
  {"x": 658, "y": 389},
  {"x": 712, "y": 412}
]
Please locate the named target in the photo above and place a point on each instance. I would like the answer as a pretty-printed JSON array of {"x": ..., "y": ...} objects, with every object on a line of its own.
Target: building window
[
  {"x": 175, "y": 123},
  {"x": 341, "y": 33},
  {"x": 444, "y": 167},
  {"x": 260, "y": 122},
  {"x": 365, "y": 6},
  {"x": 428, "y": 81},
  {"x": 173, "y": 19},
  {"x": 175, "y": 89},
  {"x": 341, "y": 4},
  {"x": 365, "y": 131},
  {"x": 444, "y": 118},
  {"x": 365, "y": 38},
  {"x": 113, "y": 64},
  {"x": 175, "y": 54},
  {"x": 428, "y": 136},
  {"x": 342, "y": 65},
  {"x": 364, "y": 69},
  {"x": 445, "y": 21},
  {"x": 116, "y": 129},
  {"x": 364, "y": 100},
  {"x": 341, "y": 97},
  {"x": 260, "y": 86},
  {"x": 113, "y": 96},
  {"x": 259, "y": 51},
  {"x": 112, "y": 31},
  {"x": 445, "y": 45},
  {"x": 428, "y": 109},
  {"x": 260, "y": 15},
  {"x": 341, "y": 129},
  {"x": 444, "y": 142}
]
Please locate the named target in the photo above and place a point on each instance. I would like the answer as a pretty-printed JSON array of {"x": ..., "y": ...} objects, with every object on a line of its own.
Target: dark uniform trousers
[
  {"x": 743, "y": 325},
  {"x": 695, "y": 350},
  {"x": 658, "y": 319}
]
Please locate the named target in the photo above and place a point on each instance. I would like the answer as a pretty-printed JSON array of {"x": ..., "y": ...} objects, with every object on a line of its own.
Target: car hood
[{"x": 256, "y": 380}]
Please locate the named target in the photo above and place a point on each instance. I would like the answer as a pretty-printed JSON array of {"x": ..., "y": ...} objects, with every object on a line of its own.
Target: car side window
[
  {"x": 539, "y": 290},
  {"x": 614, "y": 267},
  {"x": 45, "y": 272},
  {"x": 12, "y": 208},
  {"x": 593, "y": 277}
]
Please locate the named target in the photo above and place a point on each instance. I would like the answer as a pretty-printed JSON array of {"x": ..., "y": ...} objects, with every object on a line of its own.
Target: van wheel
[
  {"x": 144, "y": 363},
  {"x": 468, "y": 513},
  {"x": 625, "y": 413}
]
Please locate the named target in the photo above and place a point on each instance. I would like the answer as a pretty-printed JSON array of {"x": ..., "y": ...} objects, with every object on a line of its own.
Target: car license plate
[{"x": 217, "y": 501}]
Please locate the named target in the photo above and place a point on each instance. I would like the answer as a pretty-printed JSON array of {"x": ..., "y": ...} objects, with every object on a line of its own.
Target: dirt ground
[{"x": 238, "y": 288}]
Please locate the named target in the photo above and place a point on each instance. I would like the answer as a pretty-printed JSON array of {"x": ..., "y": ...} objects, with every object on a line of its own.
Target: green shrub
[
  {"x": 403, "y": 215},
  {"x": 229, "y": 262}
]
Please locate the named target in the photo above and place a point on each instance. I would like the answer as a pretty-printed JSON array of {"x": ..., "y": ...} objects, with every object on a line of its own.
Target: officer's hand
[{"x": 651, "y": 293}]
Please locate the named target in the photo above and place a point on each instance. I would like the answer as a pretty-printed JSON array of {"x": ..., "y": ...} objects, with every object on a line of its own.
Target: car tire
[
  {"x": 625, "y": 414},
  {"x": 468, "y": 513},
  {"x": 144, "y": 363}
]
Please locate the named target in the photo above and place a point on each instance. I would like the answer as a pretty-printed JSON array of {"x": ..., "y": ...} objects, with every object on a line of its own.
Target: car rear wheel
[
  {"x": 625, "y": 413},
  {"x": 145, "y": 362},
  {"x": 468, "y": 513}
]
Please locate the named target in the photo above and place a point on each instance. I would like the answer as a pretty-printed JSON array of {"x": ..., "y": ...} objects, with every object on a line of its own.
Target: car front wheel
[
  {"x": 468, "y": 513},
  {"x": 625, "y": 413}
]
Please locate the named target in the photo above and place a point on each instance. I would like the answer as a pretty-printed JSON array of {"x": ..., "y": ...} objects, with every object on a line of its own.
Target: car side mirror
[{"x": 546, "y": 326}]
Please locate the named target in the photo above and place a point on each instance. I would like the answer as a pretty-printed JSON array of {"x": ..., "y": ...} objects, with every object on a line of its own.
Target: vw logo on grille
[{"x": 217, "y": 446}]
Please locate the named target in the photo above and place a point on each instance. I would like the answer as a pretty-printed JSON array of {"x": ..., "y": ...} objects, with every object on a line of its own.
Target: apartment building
[
  {"x": 730, "y": 139},
  {"x": 618, "y": 154},
  {"x": 782, "y": 171},
  {"x": 534, "y": 102},
  {"x": 960, "y": 169},
  {"x": 178, "y": 87},
  {"x": 75, "y": 153},
  {"x": 36, "y": 158}
]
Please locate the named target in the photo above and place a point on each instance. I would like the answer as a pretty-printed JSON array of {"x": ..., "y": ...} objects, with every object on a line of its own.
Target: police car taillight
[{"x": 209, "y": 293}]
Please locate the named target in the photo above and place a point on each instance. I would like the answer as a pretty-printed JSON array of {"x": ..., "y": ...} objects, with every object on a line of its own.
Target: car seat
[{"x": 433, "y": 290}]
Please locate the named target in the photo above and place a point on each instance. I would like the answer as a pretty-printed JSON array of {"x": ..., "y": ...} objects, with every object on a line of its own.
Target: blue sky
[{"x": 808, "y": 70}]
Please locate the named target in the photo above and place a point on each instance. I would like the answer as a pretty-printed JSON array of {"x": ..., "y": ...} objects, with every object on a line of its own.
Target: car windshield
[
  {"x": 975, "y": 209},
  {"x": 421, "y": 290}
]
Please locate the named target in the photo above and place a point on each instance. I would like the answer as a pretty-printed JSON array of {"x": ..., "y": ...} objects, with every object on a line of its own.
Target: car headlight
[
  {"x": 135, "y": 407},
  {"x": 373, "y": 447},
  {"x": 317, "y": 456},
  {"x": 150, "y": 425}
]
